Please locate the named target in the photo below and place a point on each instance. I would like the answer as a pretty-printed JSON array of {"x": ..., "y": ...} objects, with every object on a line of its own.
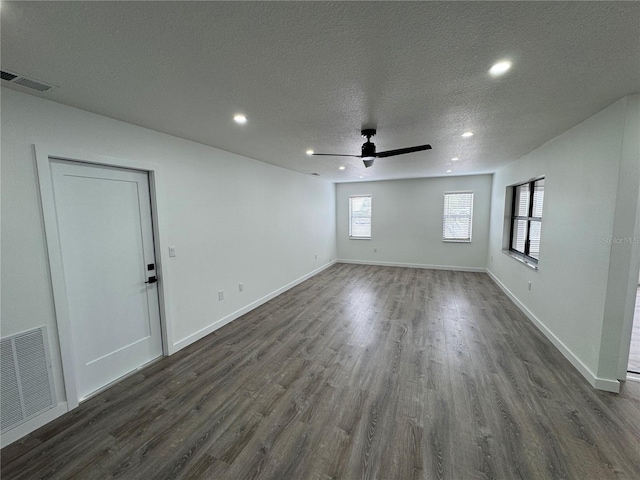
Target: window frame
[
  {"x": 444, "y": 216},
  {"x": 525, "y": 256},
  {"x": 359, "y": 237}
]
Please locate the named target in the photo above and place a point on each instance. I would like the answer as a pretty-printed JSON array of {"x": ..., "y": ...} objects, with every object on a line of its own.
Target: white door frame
[
  {"x": 43, "y": 155},
  {"x": 630, "y": 304}
]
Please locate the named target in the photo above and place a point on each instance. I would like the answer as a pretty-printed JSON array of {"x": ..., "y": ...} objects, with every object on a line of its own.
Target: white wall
[
  {"x": 407, "y": 223},
  {"x": 231, "y": 219},
  {"x": 591, "y": 172}
]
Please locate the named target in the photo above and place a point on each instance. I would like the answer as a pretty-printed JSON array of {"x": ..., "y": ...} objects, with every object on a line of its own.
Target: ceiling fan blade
[
  {"x": 400, "y": 151},
  {"x": 336, "y": 155}
]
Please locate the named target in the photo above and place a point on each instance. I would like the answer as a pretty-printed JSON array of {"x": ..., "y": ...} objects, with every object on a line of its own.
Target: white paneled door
[{"x": 108, "y": 259}]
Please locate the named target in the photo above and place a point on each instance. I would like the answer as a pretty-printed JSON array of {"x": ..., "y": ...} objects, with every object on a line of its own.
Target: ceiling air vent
[
  {"x": 24, "y": 81},
  {"x": 315, "y": 174},
  {"x": 7, "y": 75}
]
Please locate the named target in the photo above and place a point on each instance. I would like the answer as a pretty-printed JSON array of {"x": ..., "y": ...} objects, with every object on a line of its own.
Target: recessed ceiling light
[
  {"x": 361, "y": 176},
  {"x": 310, "y": 152},
  {"x": 467, "y": 134},
  {"x": 500, "y": 68},
  {"x": 240, "y": 119},
  {"x": 455, "y": 159},
  {"x": 341, "y": 167},
  {"x": 449, "y": 171}
]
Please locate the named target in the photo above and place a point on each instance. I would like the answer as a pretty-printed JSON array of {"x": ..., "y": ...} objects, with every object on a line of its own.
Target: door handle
[{"x": 151, "y": 280}]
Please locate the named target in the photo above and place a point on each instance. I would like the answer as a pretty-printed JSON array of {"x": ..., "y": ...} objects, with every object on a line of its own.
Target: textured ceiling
[{"x": 312, "y": 74}]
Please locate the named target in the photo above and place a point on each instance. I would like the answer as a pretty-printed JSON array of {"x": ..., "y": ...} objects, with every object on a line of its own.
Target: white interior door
[{"x": 106, "y": 241}]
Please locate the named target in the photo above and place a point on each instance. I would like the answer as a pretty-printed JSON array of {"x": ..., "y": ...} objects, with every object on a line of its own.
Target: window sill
[
  {"x": 359, "y": 238},
  {"x": 520, "y": 259},
  {"x": 453, "y": 240}
]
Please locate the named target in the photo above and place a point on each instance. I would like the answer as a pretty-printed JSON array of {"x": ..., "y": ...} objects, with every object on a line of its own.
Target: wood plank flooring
[
  {"x": 634, "y": 351},
  {"x": 361, "y": 372}
]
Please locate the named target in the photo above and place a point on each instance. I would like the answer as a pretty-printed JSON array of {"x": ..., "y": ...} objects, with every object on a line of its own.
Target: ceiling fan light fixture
[
  {"x": 310, "y": 152},
  {"x": 368, "y": 151}
]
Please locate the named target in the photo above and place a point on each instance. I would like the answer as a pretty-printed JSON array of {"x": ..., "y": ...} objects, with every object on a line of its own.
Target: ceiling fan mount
[
  {"x": 368, "y": 133},
  {"x": 369, "y": 153}
]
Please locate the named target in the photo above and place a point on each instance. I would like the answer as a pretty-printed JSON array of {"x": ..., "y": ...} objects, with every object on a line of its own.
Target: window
[
  {"x": 457, "y": 217},
  {"x": 360, "y": 216},
  {"x": 526, "y": 219}
]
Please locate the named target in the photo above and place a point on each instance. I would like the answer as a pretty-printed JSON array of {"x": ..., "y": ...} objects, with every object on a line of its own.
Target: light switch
[{"x": 172, "y": 251}]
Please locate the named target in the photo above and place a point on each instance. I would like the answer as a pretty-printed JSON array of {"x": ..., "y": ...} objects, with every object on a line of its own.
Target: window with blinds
[
  {"x": 360, "y": 216},
  {"x": 526, "y": 219},
  {"x": 457, "y": 218}
]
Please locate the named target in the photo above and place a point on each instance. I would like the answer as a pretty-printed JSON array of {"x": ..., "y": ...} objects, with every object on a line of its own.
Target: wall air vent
[
  {"x": 26, "y": 382},
  {"x": 24, "y": 81}
]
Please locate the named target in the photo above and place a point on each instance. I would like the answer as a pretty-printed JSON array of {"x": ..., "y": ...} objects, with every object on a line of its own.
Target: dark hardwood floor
[{"x": 361, "y": 372}]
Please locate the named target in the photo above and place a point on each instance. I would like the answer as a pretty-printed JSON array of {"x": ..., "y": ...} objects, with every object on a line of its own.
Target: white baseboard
[
  {"x": 31, "y": 425},
  {"x": 414, "y": 265},
  {"x": 607, "y": 384},
  {"x": 633, "y": 377},
  {"x": 194, "y": 337}
]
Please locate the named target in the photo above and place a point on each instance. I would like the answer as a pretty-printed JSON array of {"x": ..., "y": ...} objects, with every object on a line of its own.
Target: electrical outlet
[
  {"x": 221, "y": 295},
  {"x": 375, "y": 250},
  {"x": 241, "y": 287},
  {"x": 492, "y": 258},
  {"x": 316, "y": 256},
  {"x": 529, "y": 284},
  {"x": 172, "y": 251}
]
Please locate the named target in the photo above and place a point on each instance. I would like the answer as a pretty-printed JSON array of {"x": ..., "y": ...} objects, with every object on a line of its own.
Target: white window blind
[
  {"x": 457, "y": 218},
  {"x": 360, "y": 216}
]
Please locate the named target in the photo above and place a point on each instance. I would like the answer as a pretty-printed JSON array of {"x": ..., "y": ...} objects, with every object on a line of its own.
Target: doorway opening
[{"x": 633, "y": 367}]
